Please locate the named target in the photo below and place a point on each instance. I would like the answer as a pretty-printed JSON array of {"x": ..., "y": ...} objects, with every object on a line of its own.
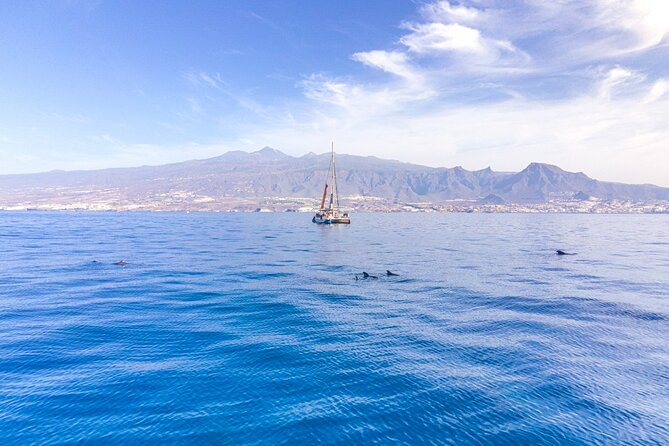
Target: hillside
[{"x": 247, "y": 179}]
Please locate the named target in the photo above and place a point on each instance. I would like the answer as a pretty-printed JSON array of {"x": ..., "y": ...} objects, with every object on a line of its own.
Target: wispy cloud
[
  {"x": 635, "y": 25},
  {"x": 211, "y": 88},
  {"x": 615, "y": 79},
  {"x": 444, "y": 11},
  {"x": 658, "y": 91},
  {"x": 565, "y": 32},
  {"x": 202, "y": 78},
  {"x": 599, "y": 110},
  {"x": 613, "y": 137},
  {"x": 580, "y": 83},
  {"x": 120, "y": 153},
  {"x": 393, "y": 62}
]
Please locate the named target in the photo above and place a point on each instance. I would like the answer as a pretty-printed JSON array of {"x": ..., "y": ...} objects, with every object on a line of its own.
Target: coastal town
[{"x": 187, "y": 201}]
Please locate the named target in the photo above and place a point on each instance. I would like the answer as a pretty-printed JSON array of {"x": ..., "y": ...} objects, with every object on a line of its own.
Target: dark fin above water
[
  {"x": 368, "y": 276},
  {"x": 564, "y": 253},
  {"x": 121, "y": 263},
  {"x": 389, "y": 273}
]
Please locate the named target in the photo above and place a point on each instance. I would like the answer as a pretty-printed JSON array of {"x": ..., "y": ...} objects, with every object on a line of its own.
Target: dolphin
[
  {"x": 563, "y": 253},
  {"x": 368, "y": 276},
  {"x": 388, "y": 273},
  {"x": 121, "y": 263}
]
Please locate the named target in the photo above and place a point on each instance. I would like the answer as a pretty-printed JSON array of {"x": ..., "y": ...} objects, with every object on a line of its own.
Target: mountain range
[{"x": 238, "y": 177}]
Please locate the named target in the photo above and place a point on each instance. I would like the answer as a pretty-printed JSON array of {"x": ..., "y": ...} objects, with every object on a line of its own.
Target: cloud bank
[
  {"x": 579, "y": 83},
  {"x": 576, "y": 83}
]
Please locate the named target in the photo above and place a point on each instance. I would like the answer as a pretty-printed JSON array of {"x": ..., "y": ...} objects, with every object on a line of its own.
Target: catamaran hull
[{"x": 332, "y": 221}]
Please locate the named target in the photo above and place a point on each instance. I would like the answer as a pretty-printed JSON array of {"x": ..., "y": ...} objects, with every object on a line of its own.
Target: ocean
[{"x": 251, "y": 329}]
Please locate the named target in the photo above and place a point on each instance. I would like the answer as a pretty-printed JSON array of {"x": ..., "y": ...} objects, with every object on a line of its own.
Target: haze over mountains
[{"x": 241, "y": 179}]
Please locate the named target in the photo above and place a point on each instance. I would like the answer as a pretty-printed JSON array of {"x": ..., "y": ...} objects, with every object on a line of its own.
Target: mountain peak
[
  {"x": 551, "y": 170},
  {"x": 237, "y": 156},
  {"x": 268, "y": 152},
  {"x": 542, "y": 166}
]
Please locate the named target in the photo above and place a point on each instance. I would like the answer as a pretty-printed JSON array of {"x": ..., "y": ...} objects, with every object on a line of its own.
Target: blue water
[{"x": 249, "y": 329}]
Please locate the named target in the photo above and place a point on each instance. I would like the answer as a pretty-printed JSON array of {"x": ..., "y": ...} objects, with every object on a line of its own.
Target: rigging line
[
  {"x": 336, "y": 188},
  {"x": 327, "y": 178}
]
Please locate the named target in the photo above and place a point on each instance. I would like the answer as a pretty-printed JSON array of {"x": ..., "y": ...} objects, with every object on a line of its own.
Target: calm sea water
[{"x": 251, "y": 329}]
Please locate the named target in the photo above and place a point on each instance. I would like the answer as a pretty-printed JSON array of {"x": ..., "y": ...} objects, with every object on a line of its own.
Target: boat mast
[{"x": 334, "y": 187}]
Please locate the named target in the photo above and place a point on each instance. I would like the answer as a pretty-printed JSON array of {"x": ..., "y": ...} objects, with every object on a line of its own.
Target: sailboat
[{"x": 331, "y": 214}]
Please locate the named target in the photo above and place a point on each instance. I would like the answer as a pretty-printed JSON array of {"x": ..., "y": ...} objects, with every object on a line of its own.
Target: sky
[{"x": 582, "y": 84}]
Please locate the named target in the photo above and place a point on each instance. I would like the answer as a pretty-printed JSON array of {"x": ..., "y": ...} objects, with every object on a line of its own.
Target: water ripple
[{"x": 251, "y": 329}]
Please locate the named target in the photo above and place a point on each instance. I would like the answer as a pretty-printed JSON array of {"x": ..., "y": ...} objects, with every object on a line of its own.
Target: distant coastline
[
  {"x": 271, "y": 181},
  {"x": 283, "y": 205}
]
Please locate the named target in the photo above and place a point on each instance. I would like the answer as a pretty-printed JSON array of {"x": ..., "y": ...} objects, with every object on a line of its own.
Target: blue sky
[{"x": 581, "y": 84}]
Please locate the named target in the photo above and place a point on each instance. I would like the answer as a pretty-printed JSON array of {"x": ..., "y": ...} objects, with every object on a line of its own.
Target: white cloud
[
  {"x": 659, "y": 89},
  {"x": 595, "y": 113},
  {"x": 578, "y": 83},
  {"x": 609, "y": 139},
  {"x": 565, "y": 32},
  {"x": 436, "y": 39},
  {"x": 369, "y": 101},
  {"x": 570, "y": 43},
  {"x": 615, "y": 79},
  {"x": 430, "y": 37},
  {"x": 444, "y": 11},
  {"x": 636, "y": 25},
  {"x": 393, "y": 62}
]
